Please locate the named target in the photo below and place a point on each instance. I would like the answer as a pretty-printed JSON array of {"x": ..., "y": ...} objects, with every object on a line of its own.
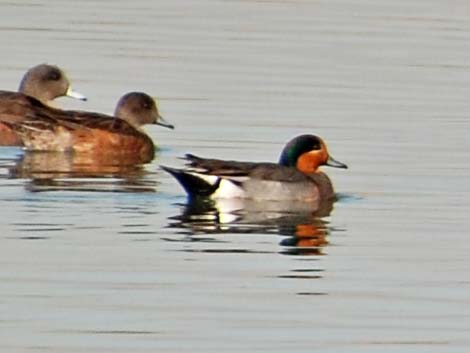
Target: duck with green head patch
[{"x": 295, "y": 177}]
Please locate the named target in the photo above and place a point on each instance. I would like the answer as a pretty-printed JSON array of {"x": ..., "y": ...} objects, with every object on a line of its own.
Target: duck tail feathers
[{"x": 194, "y": 184}]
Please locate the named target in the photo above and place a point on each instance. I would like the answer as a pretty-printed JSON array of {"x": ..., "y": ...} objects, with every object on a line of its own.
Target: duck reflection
[
  {"x": 114, "y": 172},
  {"x": 301, "y": 223}
]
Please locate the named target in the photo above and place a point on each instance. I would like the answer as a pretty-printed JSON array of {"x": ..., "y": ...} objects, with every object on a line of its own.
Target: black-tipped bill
[
  {"x": 331, "y": 162},
  {"x": 162, "y": 122}
]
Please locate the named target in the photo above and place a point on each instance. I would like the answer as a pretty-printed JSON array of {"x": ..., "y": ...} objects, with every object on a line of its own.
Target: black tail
[{"x": 194, "y": 185}]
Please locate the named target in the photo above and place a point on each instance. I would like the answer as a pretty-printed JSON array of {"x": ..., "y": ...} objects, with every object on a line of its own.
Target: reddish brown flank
[
  {"x": 8, "y": 137},
  {"x": 43, "y": 128},
  {"x": 104, "y": 141}
]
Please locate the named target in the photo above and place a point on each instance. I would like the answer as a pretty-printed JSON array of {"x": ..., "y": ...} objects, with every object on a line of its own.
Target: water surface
[{"x": 106, "y": 257}]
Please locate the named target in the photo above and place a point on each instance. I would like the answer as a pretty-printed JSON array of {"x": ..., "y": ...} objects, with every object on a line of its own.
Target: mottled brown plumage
[
  {"x": 44, "y": 83},
  {"x": 43, "y": 128}
]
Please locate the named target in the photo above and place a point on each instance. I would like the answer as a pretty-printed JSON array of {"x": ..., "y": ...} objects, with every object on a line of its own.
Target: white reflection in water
[{"x": 301, "y": 223}]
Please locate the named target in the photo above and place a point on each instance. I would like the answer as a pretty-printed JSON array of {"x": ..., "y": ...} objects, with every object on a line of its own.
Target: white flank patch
[{"x": 226, "y": 189}]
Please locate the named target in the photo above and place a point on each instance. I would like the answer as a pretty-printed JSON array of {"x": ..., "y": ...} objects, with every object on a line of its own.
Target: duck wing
[
  {"x": 45, "y": 118},
  {"x": 235, "y": 169},
  {"x": 227, "y": 168},
  {"x": 74, "y": 119},
  {"x": 16, "y": 107}
]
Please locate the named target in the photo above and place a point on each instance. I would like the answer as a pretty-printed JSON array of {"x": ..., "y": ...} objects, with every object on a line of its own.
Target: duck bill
[
  {"x": 74, "y": 94},
  {"x": 162, "y": 122},
  {"x": 331, "y": 162}
]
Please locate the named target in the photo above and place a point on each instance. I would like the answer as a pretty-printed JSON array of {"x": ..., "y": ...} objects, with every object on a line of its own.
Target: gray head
[
  {"x": 138, "y": 108},
  {"x": 46, "y": 82}
]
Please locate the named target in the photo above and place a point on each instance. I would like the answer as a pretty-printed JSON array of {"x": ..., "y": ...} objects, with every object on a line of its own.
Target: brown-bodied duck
[
  {"x": 45, "y": 128},
  {"x": 44, "y": 83}
]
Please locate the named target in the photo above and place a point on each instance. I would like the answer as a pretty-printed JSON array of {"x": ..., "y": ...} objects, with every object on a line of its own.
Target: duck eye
[
  {"x": 53, "y": 75},
  {"x": 316, "y": 146},
  {"x": 147, "y": 104}
]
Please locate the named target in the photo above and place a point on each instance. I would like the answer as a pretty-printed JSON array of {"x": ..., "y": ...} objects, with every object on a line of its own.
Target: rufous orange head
[{"x": 307, "y": 153}]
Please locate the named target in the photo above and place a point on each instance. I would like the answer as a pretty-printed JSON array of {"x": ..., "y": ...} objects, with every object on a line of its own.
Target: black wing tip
[
  {"x": 192, "y": 184},
  {"x": 170, "y": 170},
  {"x": 191, "y": 158}
]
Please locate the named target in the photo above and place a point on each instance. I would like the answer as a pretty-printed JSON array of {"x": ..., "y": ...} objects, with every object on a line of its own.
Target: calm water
[{"x": 99, "y": 257}]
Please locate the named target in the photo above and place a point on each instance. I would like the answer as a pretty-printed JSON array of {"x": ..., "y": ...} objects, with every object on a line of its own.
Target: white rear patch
[{"x": 226, "y": 189}]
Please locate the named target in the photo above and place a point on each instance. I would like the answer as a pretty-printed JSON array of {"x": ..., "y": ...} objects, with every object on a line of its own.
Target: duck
[
  {"x": 296, "y": 176},
  {"x": 46, "y": 82},
  {"x": 43, "y": 82},
  {"x": 48, "y": 129}
]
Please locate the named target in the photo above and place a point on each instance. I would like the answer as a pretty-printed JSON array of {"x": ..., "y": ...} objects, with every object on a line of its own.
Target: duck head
[
  {"x": 138, "y": 108},
  {"x": 47, "y": 82},
  {"x": 307, "y": 153}
]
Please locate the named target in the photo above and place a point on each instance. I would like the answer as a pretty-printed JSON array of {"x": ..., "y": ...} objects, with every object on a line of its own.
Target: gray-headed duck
[
  {"x": 48, "y": 129},
  {"x": 44, "y": 83}
]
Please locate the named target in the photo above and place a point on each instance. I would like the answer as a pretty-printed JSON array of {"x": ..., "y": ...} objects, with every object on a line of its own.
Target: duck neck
[{"x": 32, "y": 91}]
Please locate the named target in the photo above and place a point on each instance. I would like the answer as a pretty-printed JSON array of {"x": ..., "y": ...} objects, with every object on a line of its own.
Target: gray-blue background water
[{"x": 112, "y": 261}]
